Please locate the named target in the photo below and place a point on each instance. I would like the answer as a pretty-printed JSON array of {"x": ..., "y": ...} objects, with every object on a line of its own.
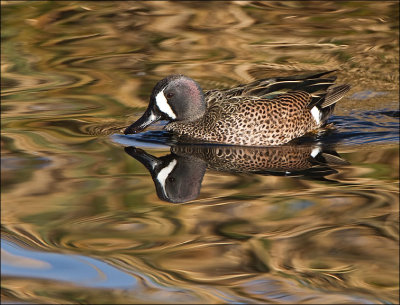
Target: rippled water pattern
[{"x": 86, "y": 217}]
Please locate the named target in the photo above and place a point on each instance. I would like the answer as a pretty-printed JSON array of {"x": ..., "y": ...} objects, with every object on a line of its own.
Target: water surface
[{"x": 83, "y": 218}]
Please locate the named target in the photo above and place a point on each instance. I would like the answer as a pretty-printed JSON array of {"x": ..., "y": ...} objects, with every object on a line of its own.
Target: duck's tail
[
  {"x": 323, "y": 104},
  {"x": 319, "y": 85}
]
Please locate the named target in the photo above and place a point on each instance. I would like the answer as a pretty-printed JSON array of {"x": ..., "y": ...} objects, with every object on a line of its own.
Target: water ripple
[{"x": 81, "y": 221}]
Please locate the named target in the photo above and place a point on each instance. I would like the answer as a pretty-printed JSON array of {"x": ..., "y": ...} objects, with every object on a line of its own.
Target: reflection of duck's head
[
  {"x": 178, "y": 175},
  {"x": 177, "y": 178}
]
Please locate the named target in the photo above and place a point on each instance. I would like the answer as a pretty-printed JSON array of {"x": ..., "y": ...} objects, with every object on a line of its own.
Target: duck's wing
[
  {"x": 322, "y": 92},
  {"x": 271, "y": 87}
]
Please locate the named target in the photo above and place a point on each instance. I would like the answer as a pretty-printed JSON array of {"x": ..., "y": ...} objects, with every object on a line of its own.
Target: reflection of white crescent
[{"x": 163, "y": 174}]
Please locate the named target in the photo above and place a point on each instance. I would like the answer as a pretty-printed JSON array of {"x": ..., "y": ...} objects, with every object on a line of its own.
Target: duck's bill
[
  {"x": 149, "y": 161},
  {"x": 148, "y": 118}
]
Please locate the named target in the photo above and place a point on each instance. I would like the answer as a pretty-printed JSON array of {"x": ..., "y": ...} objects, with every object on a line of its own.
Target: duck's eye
[{"x": 169, "y": 95}]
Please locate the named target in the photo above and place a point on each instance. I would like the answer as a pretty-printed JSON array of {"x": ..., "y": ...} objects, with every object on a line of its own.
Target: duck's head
[{"x": 174, "y": 98}]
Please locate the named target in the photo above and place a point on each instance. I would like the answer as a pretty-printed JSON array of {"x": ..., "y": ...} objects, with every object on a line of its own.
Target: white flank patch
[
  {"x": 315, "y": 152},
  {"x": 316, "y": 114},
  {"x": 164, "y": 173},
  {"x": 163, "y": 105}
]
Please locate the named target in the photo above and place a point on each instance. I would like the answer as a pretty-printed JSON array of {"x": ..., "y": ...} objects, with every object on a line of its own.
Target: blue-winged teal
[{"x": 265, "y": 112}]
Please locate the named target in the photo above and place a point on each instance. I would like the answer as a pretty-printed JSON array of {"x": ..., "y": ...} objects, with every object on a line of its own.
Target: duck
[{"x": 265, "y": 112}]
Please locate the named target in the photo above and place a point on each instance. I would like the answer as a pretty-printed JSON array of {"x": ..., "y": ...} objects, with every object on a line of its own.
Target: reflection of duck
[
  {"x": 265, "y": 112},
  {"x": 178, "y": 175}
]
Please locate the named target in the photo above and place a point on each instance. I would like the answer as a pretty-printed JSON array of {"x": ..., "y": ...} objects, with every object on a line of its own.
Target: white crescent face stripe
[
  {"x": 162, "y": 104},
  {"x": 164, "y": 173}
]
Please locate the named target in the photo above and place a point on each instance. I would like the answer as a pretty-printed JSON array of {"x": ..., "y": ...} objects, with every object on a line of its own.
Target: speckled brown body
[
  {"x": 266, "y": 112},
  {"x": 251, "y": 121}
]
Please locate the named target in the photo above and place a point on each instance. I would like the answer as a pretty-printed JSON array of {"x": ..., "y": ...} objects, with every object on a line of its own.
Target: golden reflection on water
[
  {"x": 280, "y": 231},
  {"x": 75, "y": 72}
]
